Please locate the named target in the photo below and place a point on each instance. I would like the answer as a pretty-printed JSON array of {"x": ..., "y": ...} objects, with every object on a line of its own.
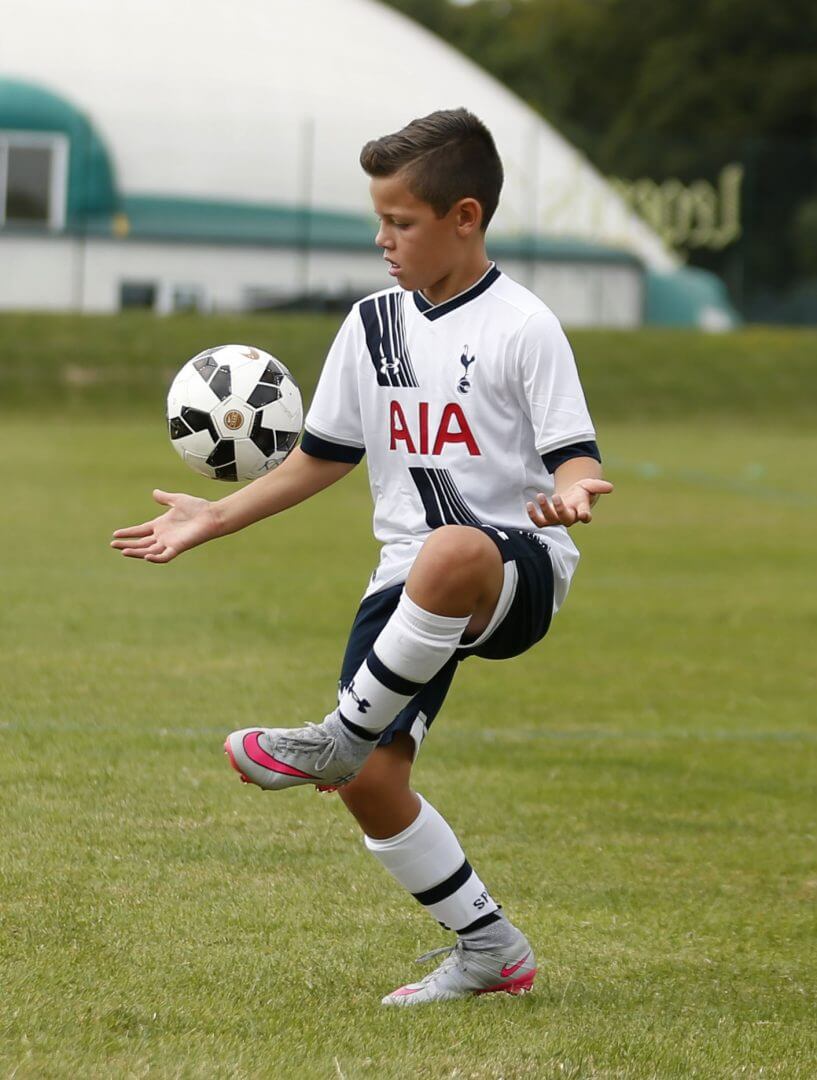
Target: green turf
[
  {"x": 639, "y": 790},
  {"x": 764, "y": 376}
]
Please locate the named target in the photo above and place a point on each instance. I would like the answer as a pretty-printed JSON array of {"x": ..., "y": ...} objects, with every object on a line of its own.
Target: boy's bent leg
[
  {"x": 452, "y": 590},
  {"x": 380, "y": 798},
  {"x": 453, "y": 587},
  {"x": 419, "y": 849}
]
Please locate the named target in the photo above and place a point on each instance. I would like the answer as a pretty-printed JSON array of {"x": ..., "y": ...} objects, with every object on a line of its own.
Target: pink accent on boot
[
  {"x": 512, "y": 986},
  {"x": 257, "y": 754},
  {"x": 228, "y": 751}
]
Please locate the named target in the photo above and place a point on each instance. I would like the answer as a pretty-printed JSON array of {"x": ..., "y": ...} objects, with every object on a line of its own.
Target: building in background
[{"x": 182, "y": 155}]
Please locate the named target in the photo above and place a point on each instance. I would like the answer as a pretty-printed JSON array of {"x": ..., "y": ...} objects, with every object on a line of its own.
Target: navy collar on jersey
[{"x": 432, "y": 311}]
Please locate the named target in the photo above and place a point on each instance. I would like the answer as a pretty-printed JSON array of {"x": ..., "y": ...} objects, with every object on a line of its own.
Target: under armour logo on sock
[{"x": 362, "y": 703}]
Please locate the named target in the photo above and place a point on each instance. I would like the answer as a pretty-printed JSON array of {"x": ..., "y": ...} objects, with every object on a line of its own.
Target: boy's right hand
[{"x": 188, "y": 522}]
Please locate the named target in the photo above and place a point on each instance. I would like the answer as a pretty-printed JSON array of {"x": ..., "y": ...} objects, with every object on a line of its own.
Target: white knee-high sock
[
  {"x": 427, "y": 860},
  {"x": 410, "y": 649}
]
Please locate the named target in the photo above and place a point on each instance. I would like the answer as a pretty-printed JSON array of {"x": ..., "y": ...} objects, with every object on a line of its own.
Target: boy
[{"x": 460, "y": 386}]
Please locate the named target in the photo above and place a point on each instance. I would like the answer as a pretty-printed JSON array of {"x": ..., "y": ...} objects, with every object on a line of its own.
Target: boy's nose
[{"x": 382, "y": 239}]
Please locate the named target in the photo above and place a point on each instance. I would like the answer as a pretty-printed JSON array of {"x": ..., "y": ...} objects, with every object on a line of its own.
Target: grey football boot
[
  {"x": 466, "y": 972},
  {"x": 326, "y": 755}
]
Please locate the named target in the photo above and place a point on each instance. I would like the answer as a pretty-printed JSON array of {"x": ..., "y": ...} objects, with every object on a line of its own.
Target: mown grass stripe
[{"x": 751, "y": 486}]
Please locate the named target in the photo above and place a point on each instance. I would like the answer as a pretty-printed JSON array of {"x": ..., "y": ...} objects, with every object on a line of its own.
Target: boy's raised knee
[
  {"x": 460, "y": 548},
  {"x": 457, "y": 565}
]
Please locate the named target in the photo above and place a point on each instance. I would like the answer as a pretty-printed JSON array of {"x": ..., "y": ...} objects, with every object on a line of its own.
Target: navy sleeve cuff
[
  {"x": 330, "y": 451},
  {"x": 555, "y": 458}
]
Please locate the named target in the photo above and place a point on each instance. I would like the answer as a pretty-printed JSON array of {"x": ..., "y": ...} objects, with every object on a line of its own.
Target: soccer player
[{"x": 461, "y": 389}]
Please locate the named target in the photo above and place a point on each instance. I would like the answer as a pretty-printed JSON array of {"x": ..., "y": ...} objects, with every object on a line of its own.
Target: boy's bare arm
[
  {"x": 577, "y": 484},
  {"x": 190, "y": 521}
]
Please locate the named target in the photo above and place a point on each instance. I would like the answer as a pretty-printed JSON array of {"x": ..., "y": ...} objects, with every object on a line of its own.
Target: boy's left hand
[{"x": 569, "y": 506}]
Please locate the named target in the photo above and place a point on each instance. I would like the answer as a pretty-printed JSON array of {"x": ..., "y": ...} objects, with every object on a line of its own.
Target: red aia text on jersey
[{"x": 451, "y": 428}]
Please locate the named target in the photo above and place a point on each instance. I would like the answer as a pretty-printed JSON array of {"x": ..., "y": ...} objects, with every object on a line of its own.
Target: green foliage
[
  {"x": 666, "y": 89},
  {"x": 804, "y": 236},
  {"x": 617, "y": 74}
]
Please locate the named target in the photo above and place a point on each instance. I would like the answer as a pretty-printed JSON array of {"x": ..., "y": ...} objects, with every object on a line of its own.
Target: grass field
[{"x": 639, "y": 791}]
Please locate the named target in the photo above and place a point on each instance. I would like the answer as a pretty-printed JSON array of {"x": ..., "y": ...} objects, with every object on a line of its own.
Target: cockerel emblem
[{"x": 464, "y": 385}]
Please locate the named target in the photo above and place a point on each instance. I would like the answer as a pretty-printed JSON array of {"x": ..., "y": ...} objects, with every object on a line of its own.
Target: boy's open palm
[
  {"x": 188, "y": 522},
  {"x": 571, "y": 505}
]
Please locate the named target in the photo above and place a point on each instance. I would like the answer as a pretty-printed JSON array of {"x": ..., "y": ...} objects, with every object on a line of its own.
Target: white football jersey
[{"x": 453, "y": 405}]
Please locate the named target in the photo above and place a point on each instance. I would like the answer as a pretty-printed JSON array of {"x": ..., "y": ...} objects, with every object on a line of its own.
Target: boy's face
[{"x": 420, "y": 248}]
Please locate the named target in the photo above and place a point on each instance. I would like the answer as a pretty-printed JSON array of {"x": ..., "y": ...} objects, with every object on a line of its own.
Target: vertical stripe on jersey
[
  {"x": 384, "y": 325},
  {"x": 442, "y": 500},
  {"x": 400, "y": 322}
]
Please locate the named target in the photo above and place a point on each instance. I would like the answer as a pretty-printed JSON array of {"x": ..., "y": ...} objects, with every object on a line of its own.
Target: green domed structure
[{"x": 91, "y": 194}]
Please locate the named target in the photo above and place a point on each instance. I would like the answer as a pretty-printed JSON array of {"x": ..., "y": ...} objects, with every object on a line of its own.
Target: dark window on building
[
  {"x": 33, "y": 176},
  {"x": 188, "y": 298},
  {"x": 28, "y": 183},
  {"x": 137, "y": 294}
]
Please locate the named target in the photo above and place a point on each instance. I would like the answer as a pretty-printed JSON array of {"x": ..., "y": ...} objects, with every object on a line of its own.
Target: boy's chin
[
  {"x": 403, "y": 281},
  {"x": 406, "y": 281}
]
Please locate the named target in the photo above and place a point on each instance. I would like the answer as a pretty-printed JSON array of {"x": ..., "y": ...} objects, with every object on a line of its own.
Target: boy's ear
[{"x": 468, "y": 215}]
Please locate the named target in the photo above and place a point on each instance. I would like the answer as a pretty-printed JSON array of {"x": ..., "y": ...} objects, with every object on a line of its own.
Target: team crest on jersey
[{"x": 464, "y": 385}]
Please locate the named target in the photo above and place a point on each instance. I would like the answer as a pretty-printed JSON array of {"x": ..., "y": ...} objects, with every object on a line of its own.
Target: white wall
[
  {"x": 38, "y": 273},
  {"x": 584, "y": 294},
  {"x": 60, "y": 274}
]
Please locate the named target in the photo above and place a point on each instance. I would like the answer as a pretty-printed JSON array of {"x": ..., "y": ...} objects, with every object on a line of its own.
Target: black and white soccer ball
[{"x": 234, "y": 412}]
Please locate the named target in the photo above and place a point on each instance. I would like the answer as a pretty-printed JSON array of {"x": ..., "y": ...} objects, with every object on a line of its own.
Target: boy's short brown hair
[{"x": 445, "y": 156}]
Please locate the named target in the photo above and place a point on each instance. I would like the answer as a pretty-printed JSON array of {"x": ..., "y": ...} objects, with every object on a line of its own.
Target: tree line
[{"x": 666, "y": 91}]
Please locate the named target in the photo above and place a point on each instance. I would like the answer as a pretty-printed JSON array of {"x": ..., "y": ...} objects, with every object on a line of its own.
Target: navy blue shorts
[{"x": 526, "y": 621}]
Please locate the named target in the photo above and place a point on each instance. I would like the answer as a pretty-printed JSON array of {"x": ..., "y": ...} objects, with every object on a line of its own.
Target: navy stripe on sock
[
  {"x": 396, "y": 683},
  {"x": 361, "y": 732},
  {"x": 478, "y": 924},
  {"x": 445, "y": 888}
]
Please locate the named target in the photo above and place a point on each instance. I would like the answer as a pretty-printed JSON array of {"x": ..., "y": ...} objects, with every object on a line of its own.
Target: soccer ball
[{"x": 234, "y": 412}]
